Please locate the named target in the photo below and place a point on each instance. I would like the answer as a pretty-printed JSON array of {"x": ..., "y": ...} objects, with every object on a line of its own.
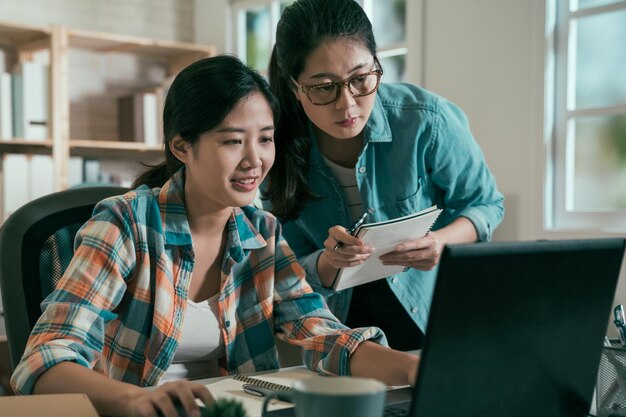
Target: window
[
  {"x": 586, "y": 166},
  {"x": 255, "y": 27},
  {"x": 388, "y": 19}
]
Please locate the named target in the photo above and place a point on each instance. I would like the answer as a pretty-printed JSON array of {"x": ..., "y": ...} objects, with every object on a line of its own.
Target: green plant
[{"x": 224, "y": 408}]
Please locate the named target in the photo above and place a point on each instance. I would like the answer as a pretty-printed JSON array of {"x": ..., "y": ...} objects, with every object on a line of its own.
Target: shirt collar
[
  {"x": 242, "y": 234},
  {"x": 172, "y": 208}
]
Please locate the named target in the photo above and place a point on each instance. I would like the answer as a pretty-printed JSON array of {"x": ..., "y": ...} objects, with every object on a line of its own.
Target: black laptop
[{"x": 515, "y": 329}]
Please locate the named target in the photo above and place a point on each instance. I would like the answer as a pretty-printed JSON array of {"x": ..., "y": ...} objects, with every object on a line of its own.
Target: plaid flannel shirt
[{"x": 120, "y": 305}]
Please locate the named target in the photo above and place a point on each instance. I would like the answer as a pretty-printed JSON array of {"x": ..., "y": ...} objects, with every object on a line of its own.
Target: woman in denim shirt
[{"x": 348, "y": 144}]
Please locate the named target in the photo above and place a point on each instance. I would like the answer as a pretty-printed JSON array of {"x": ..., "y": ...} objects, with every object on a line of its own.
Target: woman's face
[
  {"x": 230, "y": 161},
  {"x": 337, "y": 60}
]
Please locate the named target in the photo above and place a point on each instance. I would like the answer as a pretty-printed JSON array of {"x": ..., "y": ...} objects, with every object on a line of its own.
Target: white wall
[
  {"x": 213, "y": 24},
  {"x": 487, "y": 56}
]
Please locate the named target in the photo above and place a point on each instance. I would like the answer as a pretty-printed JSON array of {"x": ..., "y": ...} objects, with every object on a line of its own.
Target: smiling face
[
  {"x": 229, "y": 162},
  {"x": 336, "y": 60}
]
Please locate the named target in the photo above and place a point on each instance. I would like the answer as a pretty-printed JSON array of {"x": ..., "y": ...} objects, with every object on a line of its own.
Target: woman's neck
[
  {"x": 344, "y": 152},
  {"x": 202, "y": 219}
]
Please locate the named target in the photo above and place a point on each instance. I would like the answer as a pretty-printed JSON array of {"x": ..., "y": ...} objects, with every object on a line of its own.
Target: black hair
[
  {"x": 303, "y": 26},
  {"x": 199, "y": 99}
]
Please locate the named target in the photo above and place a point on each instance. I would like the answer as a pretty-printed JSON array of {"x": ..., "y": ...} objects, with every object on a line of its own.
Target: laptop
[{"x": 515, "y": 329}]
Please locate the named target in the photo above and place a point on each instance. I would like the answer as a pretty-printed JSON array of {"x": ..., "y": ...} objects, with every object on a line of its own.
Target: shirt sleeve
[
  {"x": 458, "y": 167},
  {"x": 302, "y": 318},
  {"x": 72, "y": 325}
]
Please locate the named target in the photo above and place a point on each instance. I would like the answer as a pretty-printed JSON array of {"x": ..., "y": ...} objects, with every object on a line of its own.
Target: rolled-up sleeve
[{"x": 458, "y": 167}]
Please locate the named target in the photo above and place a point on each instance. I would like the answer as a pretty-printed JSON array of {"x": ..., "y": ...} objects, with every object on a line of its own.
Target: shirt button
[
  {"x": 394, "y": 280},
  {"x": 362, "y": 170},
  {"x": 414, "y": 310},
  {"x": 227, "y": 324}
]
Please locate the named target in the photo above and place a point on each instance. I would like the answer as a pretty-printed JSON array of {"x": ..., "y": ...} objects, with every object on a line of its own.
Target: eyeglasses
[{"x": 359, "y": 85}]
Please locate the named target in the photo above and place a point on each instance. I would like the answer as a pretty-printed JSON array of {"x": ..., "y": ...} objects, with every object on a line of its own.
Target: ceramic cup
[{"x": 334, "y": 397}]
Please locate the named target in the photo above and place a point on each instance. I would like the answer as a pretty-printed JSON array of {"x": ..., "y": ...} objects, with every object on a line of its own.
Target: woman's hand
[
  {"x": 150, "y": 403},
  {"x": 351, "y": 252},
  {"x": 423, "y": 253}
]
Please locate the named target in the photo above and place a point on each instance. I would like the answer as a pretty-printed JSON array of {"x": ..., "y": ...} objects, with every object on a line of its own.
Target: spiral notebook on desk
[{"x": 384, "y": 236}]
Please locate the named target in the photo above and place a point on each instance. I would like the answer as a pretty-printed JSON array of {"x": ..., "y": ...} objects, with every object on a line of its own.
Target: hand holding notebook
[{"x": 384, "y": 237}]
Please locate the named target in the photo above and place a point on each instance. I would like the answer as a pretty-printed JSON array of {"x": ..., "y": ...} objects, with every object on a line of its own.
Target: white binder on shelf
[
  {"x": 6, "y": 106},
  {"x": 31, "y": 97}
]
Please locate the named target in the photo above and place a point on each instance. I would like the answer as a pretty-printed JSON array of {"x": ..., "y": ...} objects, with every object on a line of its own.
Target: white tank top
[{"x": 201, "y": 343}]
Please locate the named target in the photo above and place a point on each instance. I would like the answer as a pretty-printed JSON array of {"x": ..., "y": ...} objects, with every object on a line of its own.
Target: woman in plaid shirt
[{"x": 181, "y": 278}]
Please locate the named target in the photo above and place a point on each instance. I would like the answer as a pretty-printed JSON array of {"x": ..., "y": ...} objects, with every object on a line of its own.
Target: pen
[
  {"x": 258, "y": 391},
  {"x": 353, "y": 229}
]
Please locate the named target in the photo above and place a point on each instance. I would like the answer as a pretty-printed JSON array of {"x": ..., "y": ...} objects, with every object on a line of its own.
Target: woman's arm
[
  {"x": 385, "y": 364},
  {"x": 115, "y": 398}
]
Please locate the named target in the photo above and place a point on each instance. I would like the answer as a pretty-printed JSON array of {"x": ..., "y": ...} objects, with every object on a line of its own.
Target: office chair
[{"x": 36, "y": 246}]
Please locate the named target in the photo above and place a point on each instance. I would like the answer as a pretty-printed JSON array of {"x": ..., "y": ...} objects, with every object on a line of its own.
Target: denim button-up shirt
[{"x": 418, "y": 151}]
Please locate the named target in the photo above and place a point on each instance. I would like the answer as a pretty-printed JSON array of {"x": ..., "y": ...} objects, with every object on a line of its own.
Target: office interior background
[{"x": 557, "y": 148}]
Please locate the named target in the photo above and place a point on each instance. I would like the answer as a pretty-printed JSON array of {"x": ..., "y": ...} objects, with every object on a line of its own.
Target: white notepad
[{"x": 384, "y": 236}]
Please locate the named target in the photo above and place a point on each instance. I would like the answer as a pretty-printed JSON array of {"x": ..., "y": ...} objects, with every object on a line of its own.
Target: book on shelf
[
  {"x": 140, "y": 117},
  {"x": 41, "y": 176},
  {"x": 15, "y": 183},
  {"x": 150, "y": 129},
  {"x": 130, "y": 117},
  {"x": 6, "y": 106},
  {"x": 75, "y": 175},
  {"x": 384, "y": 236},
  {"x": 25, "y": 178},
  {"x": 3, "y": 61},
  {"x": 31, "y": 100}
]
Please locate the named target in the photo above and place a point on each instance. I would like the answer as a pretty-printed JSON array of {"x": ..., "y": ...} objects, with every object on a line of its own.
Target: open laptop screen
[{"x": 516, "y": 328}]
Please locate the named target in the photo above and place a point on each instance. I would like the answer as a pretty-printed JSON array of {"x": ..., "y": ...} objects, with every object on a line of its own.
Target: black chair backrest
[{"x": 36, "y": 246}]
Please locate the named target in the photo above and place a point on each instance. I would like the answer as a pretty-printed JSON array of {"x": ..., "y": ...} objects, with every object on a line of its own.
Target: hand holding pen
[
  {"x": 341, "y": 250},
  {"x": 352, "y": 230}
]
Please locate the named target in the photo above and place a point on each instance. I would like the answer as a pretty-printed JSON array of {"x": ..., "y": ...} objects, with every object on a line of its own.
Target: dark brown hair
[
  {"x": 199, "y": 99},
  {"x": 303, "y": 26}
]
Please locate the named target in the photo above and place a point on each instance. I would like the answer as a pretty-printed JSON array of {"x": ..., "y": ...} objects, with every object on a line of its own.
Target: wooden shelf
[
  {"x": 13, "y": 34},
  {"x": 105, "y": 42},
  {"x": 84, "y": 93},
  {"x": 17, "y": 145},
  {"x": 113, "y": 149}
]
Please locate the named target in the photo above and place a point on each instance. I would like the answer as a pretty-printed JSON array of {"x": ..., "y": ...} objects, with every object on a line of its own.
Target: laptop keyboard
[{"x": 397, "y": 410}]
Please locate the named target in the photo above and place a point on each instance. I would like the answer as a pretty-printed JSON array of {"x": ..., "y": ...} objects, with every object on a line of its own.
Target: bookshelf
[{"x": 89, "y": 71}]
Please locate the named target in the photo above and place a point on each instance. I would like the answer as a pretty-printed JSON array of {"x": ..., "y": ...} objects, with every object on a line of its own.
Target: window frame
[{"x": 559, "y": 213}]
